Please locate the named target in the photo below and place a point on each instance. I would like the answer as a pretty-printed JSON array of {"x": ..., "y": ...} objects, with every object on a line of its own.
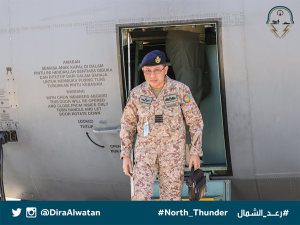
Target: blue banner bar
[{"x": 152, "y": 212}]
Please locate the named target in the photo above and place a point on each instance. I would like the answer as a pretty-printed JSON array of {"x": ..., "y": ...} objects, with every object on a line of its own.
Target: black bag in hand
[{"x": 196, "y": 184}]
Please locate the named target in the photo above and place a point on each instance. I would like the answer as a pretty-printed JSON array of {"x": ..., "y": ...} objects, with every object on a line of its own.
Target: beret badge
[{"x": 157, "y": 59}]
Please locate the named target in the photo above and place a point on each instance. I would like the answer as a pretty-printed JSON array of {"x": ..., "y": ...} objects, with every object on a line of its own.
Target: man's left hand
[{"x": 195, "y": 160}]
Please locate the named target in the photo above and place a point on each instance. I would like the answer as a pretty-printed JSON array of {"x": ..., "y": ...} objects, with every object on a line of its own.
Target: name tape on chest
[
  {"x": 144, "y": 106},
  {"x": 170, "y": 98},
  {"x": 145, "y": 99},
  {"x": 172, "y": 105}
]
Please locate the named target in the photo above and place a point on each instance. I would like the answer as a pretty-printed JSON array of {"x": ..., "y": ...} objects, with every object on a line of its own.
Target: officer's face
[{"x": 155, "y": 75}]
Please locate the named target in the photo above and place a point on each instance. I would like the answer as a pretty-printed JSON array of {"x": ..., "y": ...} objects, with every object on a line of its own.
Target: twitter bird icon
[{"x": 16, "y": 212}]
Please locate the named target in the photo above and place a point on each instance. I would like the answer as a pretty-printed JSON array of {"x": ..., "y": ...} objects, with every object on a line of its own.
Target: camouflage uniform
[{"x": 163, "y": 149}]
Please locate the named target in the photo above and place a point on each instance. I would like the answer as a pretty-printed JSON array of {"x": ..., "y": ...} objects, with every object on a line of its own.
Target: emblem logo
[
  {"x": 157, "y": 59},
  {"x": 280, "y": 20},
  {"x": 187, "y": 98}
]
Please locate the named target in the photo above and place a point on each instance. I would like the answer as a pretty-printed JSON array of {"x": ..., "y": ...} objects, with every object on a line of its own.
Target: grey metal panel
[
  {"x": 277, "y": 189},
  {"x": 39, "y": 13},
  {"x": 67, "y": 152},
  {"x": 61, "y": 190},
  {"x": 56, "y": 147},
  {"x": 100, "y": 15},
  {"x": 4, "y": 15},
  {"x": 122, "y": 192},
  {"x": 20, "y": 187},
  {"x": 178, "y": 8},
  {"x": 238, "y": 102},
  {"x": 278, "y": 175},
  {"x": 274, "y": 91},
  {"x": 18, "y": 181},
  {"x": 244, "y": 190},
  {"x": 266, "y": 189},
  {"x": 213, "y": 133},
  {"x": 78, "y": 160},
  {"x": 5, "y": 59},
  {"x": 296, "y": 187}
]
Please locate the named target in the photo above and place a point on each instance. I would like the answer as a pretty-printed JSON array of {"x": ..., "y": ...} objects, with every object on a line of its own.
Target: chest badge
[
  {"x": 145, "y": 99},
  {"x": 170, "y": 98}
]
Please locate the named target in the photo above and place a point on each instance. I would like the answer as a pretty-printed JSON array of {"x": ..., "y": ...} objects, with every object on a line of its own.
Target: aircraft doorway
[{"x": 216, "y": 155}]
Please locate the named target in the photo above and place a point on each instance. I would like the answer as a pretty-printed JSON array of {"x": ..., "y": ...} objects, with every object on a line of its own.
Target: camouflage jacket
[{"x": 165, "y": 115}]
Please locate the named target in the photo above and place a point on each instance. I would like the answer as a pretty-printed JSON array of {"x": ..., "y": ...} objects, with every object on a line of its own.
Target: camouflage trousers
[{"x": 170, "y": 181}]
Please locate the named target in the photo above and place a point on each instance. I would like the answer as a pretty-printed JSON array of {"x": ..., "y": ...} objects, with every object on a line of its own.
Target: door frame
[{"x": 219, "y": 43}]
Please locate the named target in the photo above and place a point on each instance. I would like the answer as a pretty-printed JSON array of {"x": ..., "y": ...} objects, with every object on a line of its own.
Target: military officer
[{"x": 156, "y": 109}]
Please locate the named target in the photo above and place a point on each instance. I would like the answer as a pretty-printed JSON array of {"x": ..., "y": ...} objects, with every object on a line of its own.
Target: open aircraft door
[{"x": 144, "y": 39}]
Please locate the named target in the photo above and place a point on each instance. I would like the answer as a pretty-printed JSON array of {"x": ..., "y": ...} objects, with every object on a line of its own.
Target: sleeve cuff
[
  {"x": 125, "y": 153},
  {"x": 195, "y": 151}
]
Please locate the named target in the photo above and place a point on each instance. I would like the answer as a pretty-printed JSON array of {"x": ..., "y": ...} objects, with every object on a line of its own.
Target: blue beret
[{"x": 154, "y": 58}]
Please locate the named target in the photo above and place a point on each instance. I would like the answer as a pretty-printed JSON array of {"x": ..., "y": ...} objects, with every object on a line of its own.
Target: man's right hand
[{"x": 127, "y": 163}]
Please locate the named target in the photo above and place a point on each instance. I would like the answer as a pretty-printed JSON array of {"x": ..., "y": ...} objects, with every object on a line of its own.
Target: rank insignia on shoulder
[{"x": 187, "y": 98}]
